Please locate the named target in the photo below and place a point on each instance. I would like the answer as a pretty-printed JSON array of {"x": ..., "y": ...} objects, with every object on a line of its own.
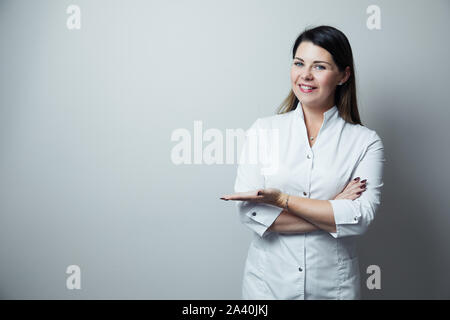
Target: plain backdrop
[{"x": 86, "y": 118}]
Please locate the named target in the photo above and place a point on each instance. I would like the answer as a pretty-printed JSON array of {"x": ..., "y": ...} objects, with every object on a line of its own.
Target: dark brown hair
[{"x": 337, "y": 44}]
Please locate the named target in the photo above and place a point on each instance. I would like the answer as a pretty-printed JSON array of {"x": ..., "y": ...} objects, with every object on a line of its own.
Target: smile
[{"x": 307, "y": 89}]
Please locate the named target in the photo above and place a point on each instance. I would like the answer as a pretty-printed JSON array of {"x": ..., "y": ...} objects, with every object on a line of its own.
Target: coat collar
[{"x": 328, "y": 116}]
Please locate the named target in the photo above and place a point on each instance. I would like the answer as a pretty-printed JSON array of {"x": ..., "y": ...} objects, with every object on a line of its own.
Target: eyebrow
[{"x": 314, "y": 61}]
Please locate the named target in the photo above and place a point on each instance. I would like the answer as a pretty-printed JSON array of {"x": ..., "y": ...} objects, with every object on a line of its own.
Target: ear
[{"x": 346, "y": 75}]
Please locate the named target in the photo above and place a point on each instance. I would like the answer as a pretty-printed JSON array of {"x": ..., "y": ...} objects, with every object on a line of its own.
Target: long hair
[{"x": 337, "y": 44}]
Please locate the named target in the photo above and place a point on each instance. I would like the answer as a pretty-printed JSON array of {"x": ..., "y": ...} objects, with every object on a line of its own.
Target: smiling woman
[
  {"x": 320, "y": 76},
  {"x": 306, "y": 215},
  {"x": 323, "y": 65}
]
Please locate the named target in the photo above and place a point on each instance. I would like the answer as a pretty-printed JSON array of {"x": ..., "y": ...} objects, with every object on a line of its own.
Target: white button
[{"x": 308, "y": 156}]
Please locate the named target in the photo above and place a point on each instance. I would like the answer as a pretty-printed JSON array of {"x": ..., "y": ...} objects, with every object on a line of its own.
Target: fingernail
[
  {"x": 356, "y": 179},
  {"x": 359, "y": 192},
  {"x": 363, "y": 180},
  {"x": 362, "y": 187}
]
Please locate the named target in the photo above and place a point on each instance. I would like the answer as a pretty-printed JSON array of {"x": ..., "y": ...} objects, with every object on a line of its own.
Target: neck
[{"x": 314, "y": 115}]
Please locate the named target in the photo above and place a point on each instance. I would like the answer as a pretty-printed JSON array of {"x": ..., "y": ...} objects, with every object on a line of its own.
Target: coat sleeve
[
  {"x": 353, "y": 217},
  {"x": 258, "y": 217}
]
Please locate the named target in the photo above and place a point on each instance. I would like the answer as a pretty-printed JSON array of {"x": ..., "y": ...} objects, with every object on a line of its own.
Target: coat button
[
  {"x": 254, "y": 214},
  {"x": 308, "y": 156},
  {"x": 304, "y": 193},
  {"x": 300, "y": 269},
  {"x": 355, "y": 218}
]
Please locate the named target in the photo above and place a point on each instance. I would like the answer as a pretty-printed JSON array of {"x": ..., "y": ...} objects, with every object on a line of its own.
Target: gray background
[{"x": 86, "y": 118}]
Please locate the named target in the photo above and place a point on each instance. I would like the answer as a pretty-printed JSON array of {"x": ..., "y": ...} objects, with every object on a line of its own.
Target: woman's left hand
[{"x": 271, "y": 196}]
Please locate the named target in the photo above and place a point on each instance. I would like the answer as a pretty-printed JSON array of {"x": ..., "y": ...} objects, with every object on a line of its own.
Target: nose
[{"x": 306, "y": 75}]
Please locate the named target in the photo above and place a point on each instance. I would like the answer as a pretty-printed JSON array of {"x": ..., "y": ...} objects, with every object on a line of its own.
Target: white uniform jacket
[{"x": 319, "y": 264}]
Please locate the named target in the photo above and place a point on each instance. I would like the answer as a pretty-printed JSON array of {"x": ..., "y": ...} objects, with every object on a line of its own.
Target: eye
[{"x": 299, "y": 64}]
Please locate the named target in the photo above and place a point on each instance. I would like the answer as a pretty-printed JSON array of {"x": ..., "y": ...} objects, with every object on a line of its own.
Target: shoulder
[
  {"x": 273, "y": 121},
  {"x": 362, "y": 132},
  {"x": 367, "y": 139}
]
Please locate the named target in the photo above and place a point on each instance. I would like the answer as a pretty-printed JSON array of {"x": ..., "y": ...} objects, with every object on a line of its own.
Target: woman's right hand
[{"x": 353, "y": 190}]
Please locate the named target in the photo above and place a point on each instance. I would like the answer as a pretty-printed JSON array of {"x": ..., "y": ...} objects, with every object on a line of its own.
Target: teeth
[{"x": 306, "y": 88}]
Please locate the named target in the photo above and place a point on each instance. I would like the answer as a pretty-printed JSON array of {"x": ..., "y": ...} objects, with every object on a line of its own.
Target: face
[{"x": 313, "y": 66}]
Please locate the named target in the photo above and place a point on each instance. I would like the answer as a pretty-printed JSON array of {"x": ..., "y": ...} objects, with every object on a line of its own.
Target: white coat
[{"x": 319, "y": 264}]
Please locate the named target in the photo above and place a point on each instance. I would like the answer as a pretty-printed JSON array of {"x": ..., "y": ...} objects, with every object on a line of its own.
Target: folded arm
[
  {"x": 339, "y": 217},
  {"x": 344, "y": 217},
  {"x": 287, "y": 222}
]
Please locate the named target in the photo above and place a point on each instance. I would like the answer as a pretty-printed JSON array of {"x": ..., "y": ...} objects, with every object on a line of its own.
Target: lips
[{"x": 306, "y": 88}]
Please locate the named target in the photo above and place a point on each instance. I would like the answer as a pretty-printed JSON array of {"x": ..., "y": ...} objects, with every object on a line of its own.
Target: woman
[{"x": 325, "y": 189}]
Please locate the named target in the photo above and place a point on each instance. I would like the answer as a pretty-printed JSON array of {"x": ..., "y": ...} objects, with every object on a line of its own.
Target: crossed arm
[
  {"x": 302, "y": 214},
  {"x": 305, "y": 215},
  {"x": 290, "y": 223}
]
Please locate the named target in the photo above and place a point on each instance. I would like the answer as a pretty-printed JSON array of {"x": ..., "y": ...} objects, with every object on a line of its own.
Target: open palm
[{"x": 269, "y": 196}]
